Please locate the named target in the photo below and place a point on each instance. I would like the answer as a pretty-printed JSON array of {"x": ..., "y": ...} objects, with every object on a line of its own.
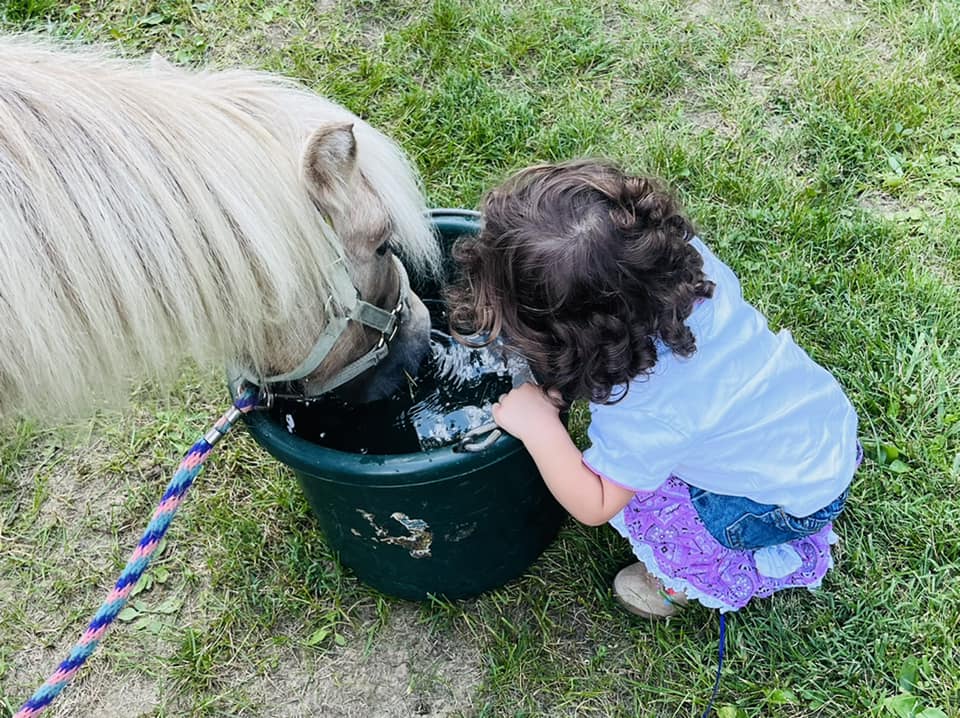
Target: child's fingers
[{"x": 495, "y": 411}]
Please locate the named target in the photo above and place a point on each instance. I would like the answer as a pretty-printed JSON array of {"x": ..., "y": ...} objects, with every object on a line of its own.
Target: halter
[{"x": 387, "y": 322}]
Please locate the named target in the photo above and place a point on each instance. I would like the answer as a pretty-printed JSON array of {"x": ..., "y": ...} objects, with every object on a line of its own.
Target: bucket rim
[{"x": 407, "y": 468}]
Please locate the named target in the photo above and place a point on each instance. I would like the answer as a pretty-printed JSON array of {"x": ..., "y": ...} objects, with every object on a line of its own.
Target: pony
[{"x": 151, "y": 214}]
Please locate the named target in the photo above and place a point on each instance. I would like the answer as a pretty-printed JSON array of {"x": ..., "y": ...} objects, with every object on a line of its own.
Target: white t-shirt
[{"x": 748, "y": 414}]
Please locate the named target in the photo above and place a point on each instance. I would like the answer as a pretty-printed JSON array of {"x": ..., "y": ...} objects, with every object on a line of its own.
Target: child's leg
[{"x": 640, "y": 593}]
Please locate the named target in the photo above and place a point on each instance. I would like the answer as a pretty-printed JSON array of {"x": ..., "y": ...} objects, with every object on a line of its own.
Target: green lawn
[{"x": 817, "y": 145}]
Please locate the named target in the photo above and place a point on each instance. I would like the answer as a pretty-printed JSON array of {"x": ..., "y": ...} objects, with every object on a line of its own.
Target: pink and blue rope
[{"x": 182, "y": 480}]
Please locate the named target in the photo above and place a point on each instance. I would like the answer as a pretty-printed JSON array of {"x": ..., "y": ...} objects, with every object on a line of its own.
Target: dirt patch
[
  {"x": 101, "y": 692},
  {"x": 707, "y": 9},
  {"x": 709, "y": 120},
  {"x": 406, "y": 671},
  {"x": 836, "y": 13},
  {"x": 76, "y": 488},
  {"x": 750, "y": 72},
  {"x": 934, "y": 265},
  {"x": 764, "y": 87},
  {"x": 881, "y": 204}
]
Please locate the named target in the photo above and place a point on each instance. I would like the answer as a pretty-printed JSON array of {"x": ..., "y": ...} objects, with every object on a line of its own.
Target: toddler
[{"x": 719, "y": 449}]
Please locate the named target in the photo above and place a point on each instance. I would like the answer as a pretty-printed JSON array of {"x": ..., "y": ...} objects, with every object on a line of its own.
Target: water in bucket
[{"x": 452, "y": 393}]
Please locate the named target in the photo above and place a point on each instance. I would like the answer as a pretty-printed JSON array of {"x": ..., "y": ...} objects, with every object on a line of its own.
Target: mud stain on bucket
[{"x": 417, "y": 542}]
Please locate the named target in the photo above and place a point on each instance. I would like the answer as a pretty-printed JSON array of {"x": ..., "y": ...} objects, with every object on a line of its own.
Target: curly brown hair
[{"x": 580, "y": 268}]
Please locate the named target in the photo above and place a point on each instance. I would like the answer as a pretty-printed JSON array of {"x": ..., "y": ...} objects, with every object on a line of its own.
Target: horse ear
[{"x": 329, "y": 159}]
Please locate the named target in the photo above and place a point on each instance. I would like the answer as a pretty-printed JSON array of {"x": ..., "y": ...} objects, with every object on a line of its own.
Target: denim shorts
[{"x": 742, "y": 524}]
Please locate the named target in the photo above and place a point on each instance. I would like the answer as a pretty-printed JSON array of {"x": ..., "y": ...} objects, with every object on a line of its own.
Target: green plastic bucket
[{"x": 441, "y": 522}]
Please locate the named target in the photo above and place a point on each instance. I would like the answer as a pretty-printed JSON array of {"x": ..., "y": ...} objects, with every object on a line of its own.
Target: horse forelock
[{"x": 164, "y": 207}]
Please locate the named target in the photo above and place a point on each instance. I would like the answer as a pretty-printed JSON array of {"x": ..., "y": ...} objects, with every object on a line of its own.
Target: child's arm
[{"x": 528, "y": 414}]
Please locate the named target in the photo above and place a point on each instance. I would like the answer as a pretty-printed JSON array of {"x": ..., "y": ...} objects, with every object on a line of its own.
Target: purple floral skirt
[{"x": 669, "y": 538}]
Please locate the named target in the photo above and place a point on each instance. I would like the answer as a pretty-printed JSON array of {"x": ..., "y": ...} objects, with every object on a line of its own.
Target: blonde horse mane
[{"x": 150, "y": 213}]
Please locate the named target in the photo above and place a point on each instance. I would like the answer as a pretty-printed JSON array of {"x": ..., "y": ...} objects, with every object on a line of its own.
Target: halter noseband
[{"x": 387, "y": 322}]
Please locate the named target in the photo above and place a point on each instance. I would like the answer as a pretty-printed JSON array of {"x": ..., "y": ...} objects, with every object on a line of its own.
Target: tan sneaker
[{"x": 642, "y": 594}]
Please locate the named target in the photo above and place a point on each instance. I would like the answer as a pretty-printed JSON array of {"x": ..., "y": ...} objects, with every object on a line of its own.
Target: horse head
[{"x": 367, "y": 351}]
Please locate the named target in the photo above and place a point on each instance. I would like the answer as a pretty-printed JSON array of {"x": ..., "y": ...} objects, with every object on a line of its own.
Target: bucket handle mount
[{"x": 471, "y": 441}]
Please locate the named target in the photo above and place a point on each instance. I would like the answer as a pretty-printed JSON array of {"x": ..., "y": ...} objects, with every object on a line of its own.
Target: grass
[{"x": 816, "y": 144}]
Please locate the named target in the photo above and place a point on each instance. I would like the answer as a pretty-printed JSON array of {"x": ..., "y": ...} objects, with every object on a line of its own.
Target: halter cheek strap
[
  {"x": 383, "y": 321},
  {"x": 387, "y": 322}
]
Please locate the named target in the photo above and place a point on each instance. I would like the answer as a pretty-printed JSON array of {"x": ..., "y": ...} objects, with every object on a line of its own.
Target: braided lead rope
[{"x": 246, "y": 400}]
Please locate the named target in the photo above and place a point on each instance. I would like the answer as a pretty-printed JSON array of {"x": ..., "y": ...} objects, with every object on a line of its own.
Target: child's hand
[{"x": 526, "y": 411}]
